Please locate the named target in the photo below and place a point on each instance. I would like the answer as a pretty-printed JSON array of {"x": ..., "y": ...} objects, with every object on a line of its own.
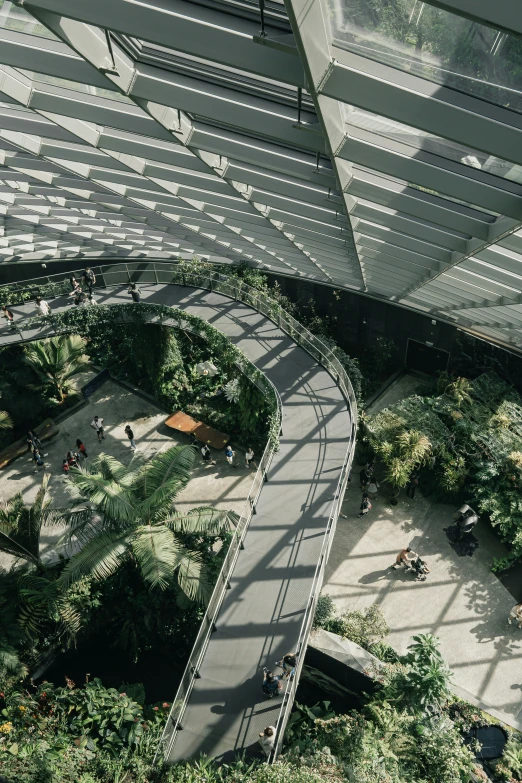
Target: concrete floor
[
  {"x": 219, "y": 486},
  {"x": 461, "y": 602}
]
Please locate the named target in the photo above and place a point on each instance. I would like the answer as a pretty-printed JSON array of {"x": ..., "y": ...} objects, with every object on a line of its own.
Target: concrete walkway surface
[{"x": 462, "y": 602}]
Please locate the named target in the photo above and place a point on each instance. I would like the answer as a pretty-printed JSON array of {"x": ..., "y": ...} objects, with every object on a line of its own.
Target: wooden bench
[
  {"x": 183, "y": 423},
  {"x": 47, "y": 429}
]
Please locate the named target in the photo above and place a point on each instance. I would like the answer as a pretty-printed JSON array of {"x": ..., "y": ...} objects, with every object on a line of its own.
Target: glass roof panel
[
  {"x": 421, "y": 140},
  {"x": 434, "y": 44},
  {"x": 13, "y": 17}
]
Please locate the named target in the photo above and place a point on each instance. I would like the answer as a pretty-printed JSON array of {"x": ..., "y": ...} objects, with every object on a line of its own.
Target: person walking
[
  {"x": 366, "y": 505},
  {"x": 271, "y": 683},
  {"x": 33, "y": 441},
  {"x": 130, "y": 436},
  {"x": 82, "y": 451},
  {"x": 267, "y": 739},
  {"x": 363, "y": 479},
  {"x": 135, "y": 292},
  {"x": 37, "y": 459},
  {"x": 288, "y": 664},
  {"x": 75, "y": 287},
  {"x": 206, "y": 455},
  {"x": 42, "y": 306},
  {"x": 229, "y": 456},
  {"x": 412, "y": 485},
  {"x": 405, "y": 558},
  {"x": 88, "y": 278},
  {"x": 249, "y": 456},
  {"x": 373, "y": 488},
  {"x": 97, "y": 424},
  {"x": 7, "y": 314}
]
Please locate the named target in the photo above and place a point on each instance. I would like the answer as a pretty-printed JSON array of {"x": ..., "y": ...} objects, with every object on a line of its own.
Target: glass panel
[
  {"x": 405, "y": 134},
  {"x": 434, "y": 44},
  {"x": 43, "y": 78},
  {"x": 15, "y": 18}
]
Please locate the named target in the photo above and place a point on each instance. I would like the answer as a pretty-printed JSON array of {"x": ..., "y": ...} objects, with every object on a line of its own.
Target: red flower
[
  {"x": 165, "y": 704},
  {"x": 155, "y": 708}
]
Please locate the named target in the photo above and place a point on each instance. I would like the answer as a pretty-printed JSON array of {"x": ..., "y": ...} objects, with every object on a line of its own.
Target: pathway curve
[{"x": 261, "y": 616}]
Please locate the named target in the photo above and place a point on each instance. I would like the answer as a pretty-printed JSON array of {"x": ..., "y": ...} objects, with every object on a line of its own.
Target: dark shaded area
[
  {"x": 425, "y": 358},
  {"x": 159, "y": 672},
  {"x": 511, "y": 578},
  {"x": 492, "y": 740},
  {"x": 355, "y": 681},
  {"x": 463, "y": 546}
]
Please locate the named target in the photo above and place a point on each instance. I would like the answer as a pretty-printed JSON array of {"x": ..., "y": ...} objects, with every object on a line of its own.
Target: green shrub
[
  {"x": 420, "y": 680},
  {"x": 362, "y": 627},
  {"x": 324, "y": 611}
]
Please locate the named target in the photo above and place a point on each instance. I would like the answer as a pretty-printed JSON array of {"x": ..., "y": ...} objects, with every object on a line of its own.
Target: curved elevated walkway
[{"x": 261, "y": 616}]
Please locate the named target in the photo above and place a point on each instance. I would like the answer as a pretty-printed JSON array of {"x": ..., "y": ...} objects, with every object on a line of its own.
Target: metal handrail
[{"x": 225, "y": 284}]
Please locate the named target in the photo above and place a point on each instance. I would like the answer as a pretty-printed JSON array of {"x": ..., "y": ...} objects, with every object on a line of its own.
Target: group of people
[
  {"x": 81, "y": 293},
  {"x": 34, "y": 445},
  {"x": 81, "y": 296},
  {"x": 206, "y": 454},
  {"x": 272, "y": 685},
  {"x": 75, "y": 457}
]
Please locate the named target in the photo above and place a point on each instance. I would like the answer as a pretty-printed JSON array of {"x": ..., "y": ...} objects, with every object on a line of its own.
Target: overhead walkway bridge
[{"x": 265, "y": 597}]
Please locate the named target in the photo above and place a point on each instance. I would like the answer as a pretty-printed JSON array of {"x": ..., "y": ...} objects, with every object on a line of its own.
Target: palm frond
[
  {"x": 192, "y": 577},
  {"x": 42, "y": 500},
  {"x": 82, "y": 525},
  {"x": 111, "y": 499},
  {"x": 110, "y": 468},
  {"x": 10, "y": 662},
  {"x": 201, "y": 520},
  {"x": 164, "y": 476},
  {"x": 100, "y": 558},
  {"x": 57, "y": 360},
  {"x": 157, "y": 553},
  {"x": 38, "y": 596},
  {"x": 10, "y": 545}
]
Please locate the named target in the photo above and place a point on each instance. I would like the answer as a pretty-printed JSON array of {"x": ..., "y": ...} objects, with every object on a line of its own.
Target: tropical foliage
[
  {"x": 21, "y": 524},
  {"x": 362, "y": 627},
  {"x": 468, "y": 438},
  {"x": 56, "y": 362},
  {"x": 128, "y": 513}
]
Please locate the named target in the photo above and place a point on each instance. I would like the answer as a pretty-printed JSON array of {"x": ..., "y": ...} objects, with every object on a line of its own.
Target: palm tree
[
  {"x": 56, "y": 361},
  {"x": 20, "y": 524},
  {"x": 413, "y": 446},
  {"x": 129, "y": 514}
]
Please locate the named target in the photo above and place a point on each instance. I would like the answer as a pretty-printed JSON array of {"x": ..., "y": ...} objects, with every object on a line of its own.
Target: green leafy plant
[
  {"x": 21, "y": 524},
  {"x": 362, "y": 627},
  {"x": 421, "y": 679},
  {"x": 130, "y": 514},
  {"x": 56, "y": 361}
]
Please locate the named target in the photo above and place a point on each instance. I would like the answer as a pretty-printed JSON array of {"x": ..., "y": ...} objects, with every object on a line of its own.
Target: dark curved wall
[{"x": 361, "y": 320}]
